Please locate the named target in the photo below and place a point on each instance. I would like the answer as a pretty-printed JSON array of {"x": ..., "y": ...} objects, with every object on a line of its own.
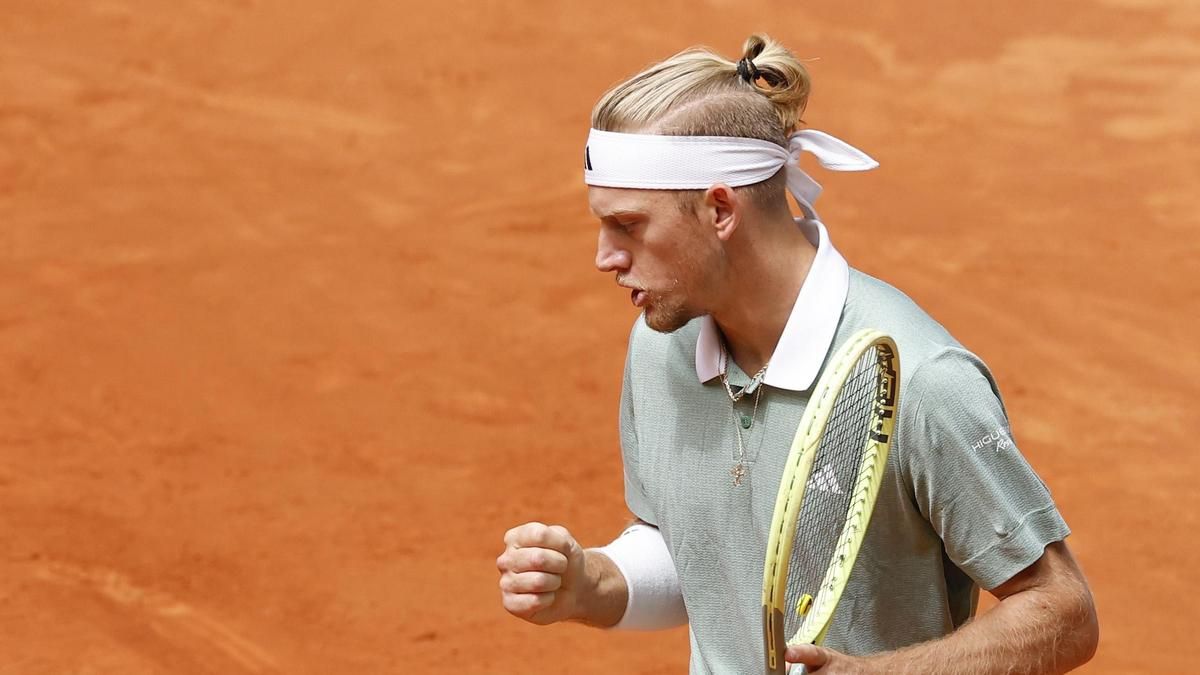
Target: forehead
[{"x": 606, "y": 201}]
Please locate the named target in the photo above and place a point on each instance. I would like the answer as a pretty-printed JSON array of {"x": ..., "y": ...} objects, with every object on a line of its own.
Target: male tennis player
[{"x": 688, "y": 165}]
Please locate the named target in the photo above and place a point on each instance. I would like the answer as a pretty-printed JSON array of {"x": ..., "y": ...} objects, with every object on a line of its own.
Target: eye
[
  {"x": 630, "y": 221},
  {"x": 624, "y": 224}
]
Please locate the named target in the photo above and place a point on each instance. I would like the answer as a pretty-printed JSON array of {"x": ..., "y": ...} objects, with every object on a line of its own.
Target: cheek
[
  {"x": 677, "y": 252},
  {"x": 699, "y": 257}
]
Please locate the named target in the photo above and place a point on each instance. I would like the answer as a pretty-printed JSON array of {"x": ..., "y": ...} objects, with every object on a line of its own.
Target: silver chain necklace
[{"x": 739, "y": 469}]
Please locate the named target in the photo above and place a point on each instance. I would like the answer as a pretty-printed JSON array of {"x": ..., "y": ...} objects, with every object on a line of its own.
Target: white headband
[{"x": 650, "y": 161}]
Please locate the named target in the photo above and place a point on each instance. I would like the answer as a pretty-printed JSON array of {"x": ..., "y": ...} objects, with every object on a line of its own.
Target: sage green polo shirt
[{"x": 959, "y": 508}]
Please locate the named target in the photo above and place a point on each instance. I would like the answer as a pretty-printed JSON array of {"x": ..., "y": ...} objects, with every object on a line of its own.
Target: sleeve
[
  {"x": 635, "y": 490},
  {"x": 993, "y": 513}
]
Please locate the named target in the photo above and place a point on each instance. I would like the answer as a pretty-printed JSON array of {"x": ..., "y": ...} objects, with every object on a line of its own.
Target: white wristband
[{"x": 655, "y": 599}]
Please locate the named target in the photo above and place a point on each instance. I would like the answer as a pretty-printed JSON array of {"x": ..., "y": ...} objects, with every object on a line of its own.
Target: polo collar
[{"x": 810, "y": 328}]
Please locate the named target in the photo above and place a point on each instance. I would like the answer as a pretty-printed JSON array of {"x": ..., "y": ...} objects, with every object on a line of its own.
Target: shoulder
[
  {"x": 952, "y": 400},
  {"x": 927, "y": 349},
  {"x": 936, "y": 369},
  {"x": 870, "y": 301},
  {"x": 949, "y": 368}
]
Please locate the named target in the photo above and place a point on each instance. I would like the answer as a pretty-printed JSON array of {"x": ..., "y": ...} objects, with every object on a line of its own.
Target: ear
[{"x": 724, "y": 207}]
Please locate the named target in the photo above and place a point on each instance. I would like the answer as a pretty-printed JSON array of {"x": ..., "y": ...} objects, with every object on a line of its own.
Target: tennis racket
[{"x": 830, "y": 482}]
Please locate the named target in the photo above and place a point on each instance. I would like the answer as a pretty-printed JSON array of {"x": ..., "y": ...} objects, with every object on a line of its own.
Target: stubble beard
[
  {"x": 668, "y": 312},
  {"x": 671, "y": 310}
]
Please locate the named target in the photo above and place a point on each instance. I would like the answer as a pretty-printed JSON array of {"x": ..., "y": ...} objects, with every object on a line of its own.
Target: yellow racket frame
[{"x": 819, "y": 610}]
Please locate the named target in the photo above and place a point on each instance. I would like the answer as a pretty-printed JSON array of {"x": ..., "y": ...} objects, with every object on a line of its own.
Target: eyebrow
[{"x": 619, "y": 212}]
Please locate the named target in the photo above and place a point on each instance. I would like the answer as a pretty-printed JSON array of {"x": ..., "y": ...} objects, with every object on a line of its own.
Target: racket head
[{"x": 845, "y": 432}]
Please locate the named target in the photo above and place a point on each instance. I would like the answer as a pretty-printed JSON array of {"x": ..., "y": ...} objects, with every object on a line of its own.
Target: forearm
[
  {"x": 653, "y": 597},
  {"x": 1032, "y": 632},
  {"x": 603, "y": 595}
]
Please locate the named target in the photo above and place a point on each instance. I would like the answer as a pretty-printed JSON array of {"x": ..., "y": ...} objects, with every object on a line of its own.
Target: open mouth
[{"x": 638, "y": 297}]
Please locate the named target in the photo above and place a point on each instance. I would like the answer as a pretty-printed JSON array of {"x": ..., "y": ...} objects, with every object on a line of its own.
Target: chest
[{"x": 690, "y": 448}]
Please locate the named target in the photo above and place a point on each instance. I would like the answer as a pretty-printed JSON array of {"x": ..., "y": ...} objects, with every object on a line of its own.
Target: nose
[{"x": 610, "y": 257}]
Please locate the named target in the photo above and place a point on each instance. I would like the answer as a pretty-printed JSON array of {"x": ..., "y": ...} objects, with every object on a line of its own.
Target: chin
[{"x": 667, "y": 319}]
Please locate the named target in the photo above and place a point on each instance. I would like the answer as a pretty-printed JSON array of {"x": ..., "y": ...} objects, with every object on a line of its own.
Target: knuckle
[
  {"x": 511, "y": 583},
  {"x": 520, "y": 532},
  {"x": 527, "y": 534}
]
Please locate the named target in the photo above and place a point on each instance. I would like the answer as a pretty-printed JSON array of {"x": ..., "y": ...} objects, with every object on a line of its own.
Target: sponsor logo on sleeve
[{"x": 997, "y": 441}]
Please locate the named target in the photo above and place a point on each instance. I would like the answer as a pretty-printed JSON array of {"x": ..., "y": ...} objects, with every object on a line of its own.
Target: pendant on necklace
[
  {"x": 738, "y": 472},
  {"x": 747, "y": 421}
]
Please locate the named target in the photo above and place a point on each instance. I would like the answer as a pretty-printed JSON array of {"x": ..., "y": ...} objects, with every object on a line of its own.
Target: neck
[{"x": 768, "y": 265}]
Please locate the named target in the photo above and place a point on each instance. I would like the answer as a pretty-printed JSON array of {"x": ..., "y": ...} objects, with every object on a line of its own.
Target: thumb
[
  {"x": 574, "y": 551},
  {"x": 575, "y": 556},
  {"x": 812, "y": 656}
]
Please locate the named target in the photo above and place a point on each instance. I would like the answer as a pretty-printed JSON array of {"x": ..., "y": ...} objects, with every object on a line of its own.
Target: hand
[
  {"x": 825, "y": 661},
  {"x": 541, "y": 573}
]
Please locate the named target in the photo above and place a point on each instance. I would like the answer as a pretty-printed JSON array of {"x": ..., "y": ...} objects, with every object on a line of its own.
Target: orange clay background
[{"x": 298, "y": 314}]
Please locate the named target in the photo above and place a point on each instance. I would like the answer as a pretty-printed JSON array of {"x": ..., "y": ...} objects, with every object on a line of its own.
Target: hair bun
[{"x": 778, "y": 75}]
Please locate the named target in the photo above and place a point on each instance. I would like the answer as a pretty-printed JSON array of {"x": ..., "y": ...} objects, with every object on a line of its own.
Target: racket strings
[{"x": 832, "y": 490}]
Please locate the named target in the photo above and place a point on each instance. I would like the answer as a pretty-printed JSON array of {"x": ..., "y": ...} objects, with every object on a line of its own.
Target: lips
[{"x": 638, "y": 296}]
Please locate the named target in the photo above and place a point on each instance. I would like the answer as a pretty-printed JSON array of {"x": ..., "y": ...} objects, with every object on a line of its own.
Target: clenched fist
[{"x": 546, "y": 576}]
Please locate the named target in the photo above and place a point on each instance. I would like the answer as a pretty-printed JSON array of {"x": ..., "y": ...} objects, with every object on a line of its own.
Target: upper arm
[
  {"x": 993, "y": 514},
  {"x": 1055, "y": 570}
]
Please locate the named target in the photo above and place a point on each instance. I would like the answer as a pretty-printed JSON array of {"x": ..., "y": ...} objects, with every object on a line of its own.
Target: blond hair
[{"x": 697, "y": 92}]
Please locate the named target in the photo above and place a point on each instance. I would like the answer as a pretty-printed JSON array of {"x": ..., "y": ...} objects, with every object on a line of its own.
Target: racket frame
[{"x": 795, "y": 477}]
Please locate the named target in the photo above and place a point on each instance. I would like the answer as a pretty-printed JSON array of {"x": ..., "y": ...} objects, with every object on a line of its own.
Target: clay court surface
[{"x": 298, "y": 314}]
